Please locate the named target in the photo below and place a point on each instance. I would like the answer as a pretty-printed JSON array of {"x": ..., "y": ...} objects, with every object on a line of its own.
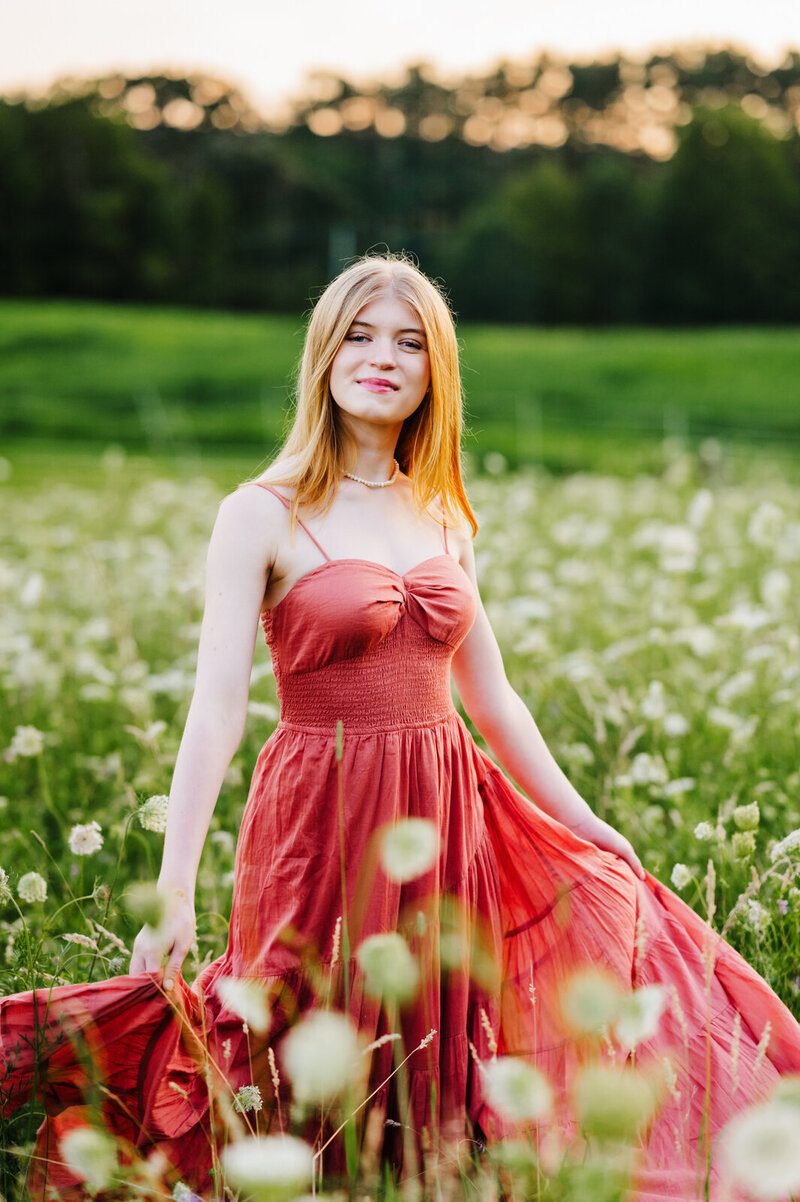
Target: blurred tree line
[{"x": 658, "y": 191}]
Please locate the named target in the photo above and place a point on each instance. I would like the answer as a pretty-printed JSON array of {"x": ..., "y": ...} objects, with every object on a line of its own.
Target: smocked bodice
[{"x": 355, "y": 641}]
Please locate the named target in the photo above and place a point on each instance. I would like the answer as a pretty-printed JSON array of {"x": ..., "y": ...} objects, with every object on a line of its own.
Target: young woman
[{"x": 354, "y": 550}]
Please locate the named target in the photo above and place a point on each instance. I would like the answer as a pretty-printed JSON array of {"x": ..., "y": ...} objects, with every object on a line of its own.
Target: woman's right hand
[{"x": 170, "y": 940}]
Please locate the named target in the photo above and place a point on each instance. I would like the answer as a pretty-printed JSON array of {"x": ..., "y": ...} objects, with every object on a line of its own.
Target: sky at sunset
[{"x": 267, "y": 48}]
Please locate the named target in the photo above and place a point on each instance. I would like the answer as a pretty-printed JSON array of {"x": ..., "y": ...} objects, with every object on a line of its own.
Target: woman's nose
[{"x": 382, "y": 354}]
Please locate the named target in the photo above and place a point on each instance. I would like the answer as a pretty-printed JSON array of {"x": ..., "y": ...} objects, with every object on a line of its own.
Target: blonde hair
[{"x": 429, "y": 447}]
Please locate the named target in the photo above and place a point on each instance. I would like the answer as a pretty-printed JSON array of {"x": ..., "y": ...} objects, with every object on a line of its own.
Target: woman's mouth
[{"x": 373, "y": 384}]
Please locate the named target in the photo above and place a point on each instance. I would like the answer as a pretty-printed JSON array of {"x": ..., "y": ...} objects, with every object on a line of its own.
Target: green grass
[{"x": 176, "y": 380}]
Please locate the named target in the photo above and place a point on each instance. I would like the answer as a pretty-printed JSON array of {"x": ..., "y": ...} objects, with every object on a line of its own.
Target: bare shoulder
[
  {"x": 459, "y": 539},
  {"x": 254, "y": 516},
  {"x": 459, "y": 533}
]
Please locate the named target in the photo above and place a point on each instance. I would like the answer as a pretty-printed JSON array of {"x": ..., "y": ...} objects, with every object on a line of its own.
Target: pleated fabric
[{"x": 532, "y": 903}]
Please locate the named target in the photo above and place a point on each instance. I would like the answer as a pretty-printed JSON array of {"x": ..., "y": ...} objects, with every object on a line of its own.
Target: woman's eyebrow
[{"x": 369, "y": 326}]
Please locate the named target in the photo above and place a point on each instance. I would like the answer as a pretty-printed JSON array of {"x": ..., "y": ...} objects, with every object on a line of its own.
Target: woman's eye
[
  {"x": 413, "y": 346},
  {"x": 355, "y": 338}
]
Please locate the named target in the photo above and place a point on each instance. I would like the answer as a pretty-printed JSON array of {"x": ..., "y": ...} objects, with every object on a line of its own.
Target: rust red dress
[{"x": 355, "y": 642}]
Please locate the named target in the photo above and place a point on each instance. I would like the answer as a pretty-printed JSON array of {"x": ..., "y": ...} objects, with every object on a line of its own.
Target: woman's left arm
[{"x": 506, "y": 724}]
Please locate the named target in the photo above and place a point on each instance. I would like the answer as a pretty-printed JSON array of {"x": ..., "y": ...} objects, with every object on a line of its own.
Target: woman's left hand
[{"x": 596, "y": 831}]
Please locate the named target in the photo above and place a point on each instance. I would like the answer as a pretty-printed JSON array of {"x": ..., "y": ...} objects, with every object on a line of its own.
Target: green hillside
[{"x": 177, "y": 381}]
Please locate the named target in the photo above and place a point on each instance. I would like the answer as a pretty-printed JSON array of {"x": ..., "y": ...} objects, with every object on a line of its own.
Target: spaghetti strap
[{"x": 287, "y": 503}]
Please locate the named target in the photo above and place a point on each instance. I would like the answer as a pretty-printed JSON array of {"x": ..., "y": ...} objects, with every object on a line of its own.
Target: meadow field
[
  {"x": 649, "y": 621},
  {"x": 173, "y": 381},
  {"x": 638, "y": 495}
]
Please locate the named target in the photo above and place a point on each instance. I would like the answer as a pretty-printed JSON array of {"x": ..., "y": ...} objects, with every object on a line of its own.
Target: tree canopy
[{"x": 665, "y": 190}]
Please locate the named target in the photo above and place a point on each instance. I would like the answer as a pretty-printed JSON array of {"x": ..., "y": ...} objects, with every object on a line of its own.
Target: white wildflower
[
  {"x": 613, "y": 1103},
  {"x": 578, "y": 753},
  {"x": 765, "y": 525},
  {"x": 787, "y": 846},
  {"x": 263, "y": 709},
  {"x": 758, "y": 917},
  {"x": 680, "y": 876},
  {"x": 725, "y": 718},
  {"x": 409, "y": 849},
  {"x": 247, "y": 1098},
  {"x": 734, "y": 686},
  {"x": 32, "y": 590},
  {"x": 743, "y": 844},
  {"x": 653, "y": 705},
  {"x": 95, "y": 692},
  {"x": 758, "y": 652},
  {"x": 321, "y": 1055},
  {"x": 174, "y": 683},
  {"x": 32, "y": 887},
  {"x": 516, "y": 1089},
  {"x": 575, "y": 572},
  {"x": 761, "y": 1151},
  {"x": 699, "y": 507},
  {"x": 775, "y": 588},
  {"x": 5, "y": 891},
  {"x": 742, "y": 734},
  {"x": 590, "y": 1000},
  {"x": 647, "y": 534},
  {"x": 145, "y": 902},
  {"x": 710, "y": 452},
  {"x": 702, "y": 640},
  {"x": 704, "y": 831},
  {"x": 90, "y": 1155},
  {"x": 681, "y": 784},
  {"x": 85, "y": 839},
  {"x": 639, "y": 1014},
  {"x": 104, "y": 767},
  {"x": 745, "y": 616},
  {"x": 269, "y": 1166},
  {"x": 648, "y": 769},
  {"x": 27, "y": 741},
  {"x": 747, "y": 817},
  {"x": 224, "y": 840},
  {"x": 678, "y": 549},
  {"x": 182, "y": 1193},
  {"x": 152, "y": 813},
  {"x": 578, "y": 530},
  {"x": 495, "y": 463},
  {"x": 246, "y": 999},
  {"x": 453, "y": 947},
  {"x": 389, "y": 968},
  {"x": 674, "y": 725}
]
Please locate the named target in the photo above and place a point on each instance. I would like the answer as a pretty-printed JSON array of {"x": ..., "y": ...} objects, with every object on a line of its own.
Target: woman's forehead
[{"x": 388, "y": 309}]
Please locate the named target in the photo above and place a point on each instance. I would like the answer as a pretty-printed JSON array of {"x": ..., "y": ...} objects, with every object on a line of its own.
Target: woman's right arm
[{"x": 240, "y": 556}]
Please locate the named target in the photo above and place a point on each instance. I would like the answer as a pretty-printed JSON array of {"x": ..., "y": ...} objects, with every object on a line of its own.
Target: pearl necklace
[{"x": 376, "y": 483}]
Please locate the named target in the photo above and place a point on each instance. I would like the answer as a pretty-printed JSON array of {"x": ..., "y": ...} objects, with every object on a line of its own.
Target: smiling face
[{"x": 381, "y": 371}]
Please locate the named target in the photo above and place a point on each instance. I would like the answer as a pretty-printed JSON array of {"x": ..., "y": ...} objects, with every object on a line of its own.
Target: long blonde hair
[{"x": 429, "y": 447}]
